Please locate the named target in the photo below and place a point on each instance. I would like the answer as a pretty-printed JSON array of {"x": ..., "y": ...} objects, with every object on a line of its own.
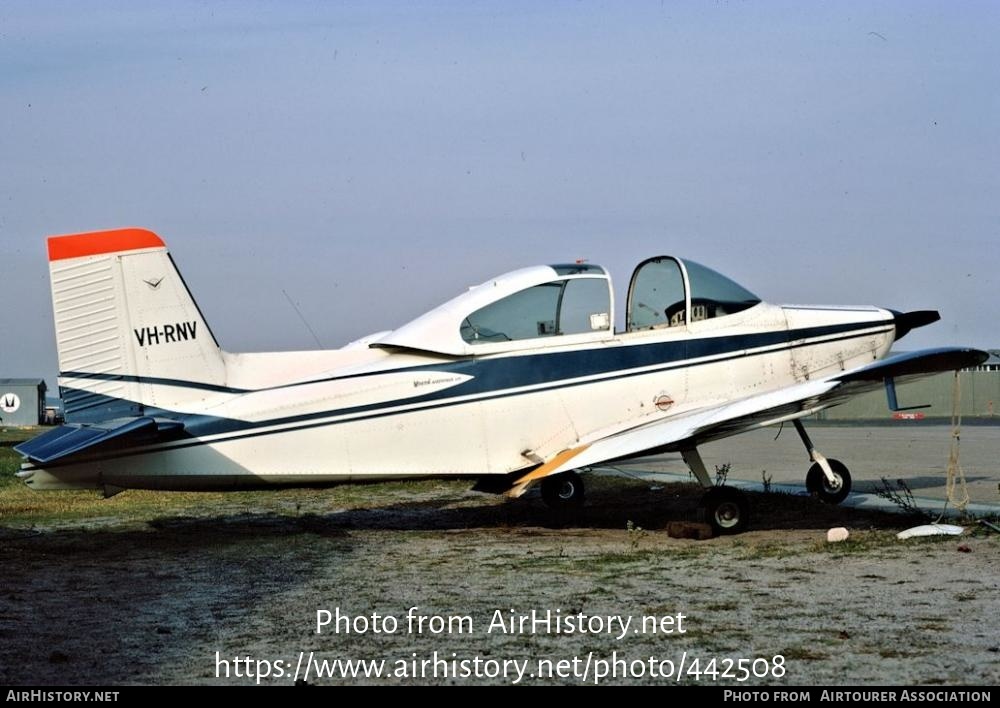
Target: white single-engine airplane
[{"x": 520, "y": 380}]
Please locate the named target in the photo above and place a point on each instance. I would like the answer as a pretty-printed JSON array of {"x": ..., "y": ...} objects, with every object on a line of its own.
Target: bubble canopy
[{"x": 565, "y": 304}]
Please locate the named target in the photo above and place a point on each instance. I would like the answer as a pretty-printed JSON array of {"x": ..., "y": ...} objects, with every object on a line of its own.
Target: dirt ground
[{"x": 108, "y": 601}]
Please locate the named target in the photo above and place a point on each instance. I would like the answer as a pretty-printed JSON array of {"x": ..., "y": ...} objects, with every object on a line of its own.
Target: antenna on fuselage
[{"x": 302, "y": 317}]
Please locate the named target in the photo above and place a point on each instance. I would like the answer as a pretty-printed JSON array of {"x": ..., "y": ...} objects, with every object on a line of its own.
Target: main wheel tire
[
  {"x": 818, "y": 484},
  {"x": 726, "y": 509},
  {"x": 563, "y": 491}
]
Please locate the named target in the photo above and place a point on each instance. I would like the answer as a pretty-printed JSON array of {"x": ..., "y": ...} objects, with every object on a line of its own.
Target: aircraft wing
[
  {"x": 689, "y": 429},
  {"x": 915, "y": 365}
]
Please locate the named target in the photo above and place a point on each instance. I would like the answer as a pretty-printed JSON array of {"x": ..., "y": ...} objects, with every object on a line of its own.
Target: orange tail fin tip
[{"x": 98, "y": 242}]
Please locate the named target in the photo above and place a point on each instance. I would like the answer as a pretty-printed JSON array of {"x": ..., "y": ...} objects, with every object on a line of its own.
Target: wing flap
[{"x": 559, "y": 463}]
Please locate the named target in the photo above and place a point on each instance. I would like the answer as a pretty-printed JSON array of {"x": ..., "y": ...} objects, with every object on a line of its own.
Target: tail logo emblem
[
  {"x": 154, "y": 284},
  {"x": 9, "y": 403}
]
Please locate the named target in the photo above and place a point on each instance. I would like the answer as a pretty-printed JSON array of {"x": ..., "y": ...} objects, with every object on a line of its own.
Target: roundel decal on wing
[{"x": 10, "y": 402}]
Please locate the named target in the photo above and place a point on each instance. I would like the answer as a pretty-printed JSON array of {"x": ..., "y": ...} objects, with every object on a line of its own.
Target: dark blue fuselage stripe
[
  {"x": 507, "y": 383},
  {"x": 198, "y": 426},
  {"x": 497, "y": 374},
  {"x": 546, "y": 365}
]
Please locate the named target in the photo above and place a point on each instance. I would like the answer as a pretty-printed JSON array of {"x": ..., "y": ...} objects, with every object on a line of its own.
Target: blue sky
[{"x": 374, "y": 159}]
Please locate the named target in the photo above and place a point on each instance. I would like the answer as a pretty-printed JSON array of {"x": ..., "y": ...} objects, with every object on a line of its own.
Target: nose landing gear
[{"x": 828, "y": 479}]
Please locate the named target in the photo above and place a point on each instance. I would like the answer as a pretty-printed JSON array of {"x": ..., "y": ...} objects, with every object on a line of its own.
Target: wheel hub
[{"x": 727, "y": 515}]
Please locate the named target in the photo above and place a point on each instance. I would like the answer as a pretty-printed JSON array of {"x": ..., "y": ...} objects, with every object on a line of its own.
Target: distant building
[
  {"x": 991, "y": 364},
  {"x": 22, "y": 402}
]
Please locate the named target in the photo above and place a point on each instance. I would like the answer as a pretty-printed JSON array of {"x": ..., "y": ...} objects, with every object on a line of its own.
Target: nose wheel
[
  {"x": 827, "y": 479},
  {"x": 830, "y": 491}
]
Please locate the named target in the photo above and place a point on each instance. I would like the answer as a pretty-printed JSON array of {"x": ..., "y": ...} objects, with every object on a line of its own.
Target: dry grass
[{"x": 146, "y": 586}]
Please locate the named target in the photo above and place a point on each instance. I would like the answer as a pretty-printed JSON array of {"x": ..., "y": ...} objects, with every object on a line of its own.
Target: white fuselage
[{"x": 367, "y": 413}]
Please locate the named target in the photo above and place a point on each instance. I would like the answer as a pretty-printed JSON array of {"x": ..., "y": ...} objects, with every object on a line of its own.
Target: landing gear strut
[
  {"x": 830, "y": 480},
  {"x": 725, "y": 508}
]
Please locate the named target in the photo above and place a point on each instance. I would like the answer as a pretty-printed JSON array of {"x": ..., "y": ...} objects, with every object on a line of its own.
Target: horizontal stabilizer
[{"x": 70, "y": 440}]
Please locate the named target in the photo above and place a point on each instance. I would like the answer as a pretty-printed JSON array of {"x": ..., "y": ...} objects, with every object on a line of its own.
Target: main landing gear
[
  {"x": 830, "y": 479},
  {"x": 563, "y": 491},
  {"x": 726, "y": 509}
]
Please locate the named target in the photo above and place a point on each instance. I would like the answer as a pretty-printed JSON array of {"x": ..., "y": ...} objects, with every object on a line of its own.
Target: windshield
[{"x": 715, "y": 295}]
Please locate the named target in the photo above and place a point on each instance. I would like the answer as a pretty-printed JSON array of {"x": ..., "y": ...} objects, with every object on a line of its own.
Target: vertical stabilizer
[{"x": 129, "y": 334}]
